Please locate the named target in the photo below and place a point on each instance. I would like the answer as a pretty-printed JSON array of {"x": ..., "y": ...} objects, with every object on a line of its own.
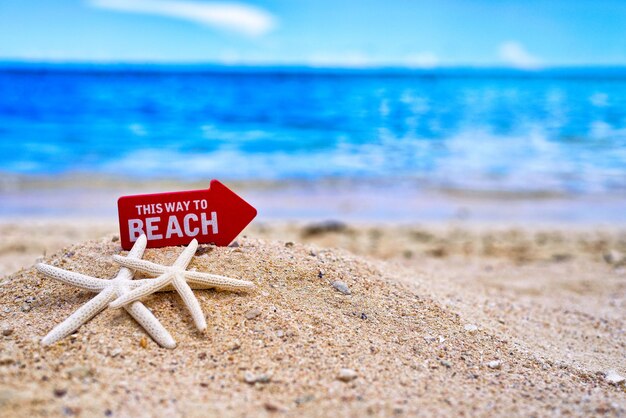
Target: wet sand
[{"x": 86, "y": 196}]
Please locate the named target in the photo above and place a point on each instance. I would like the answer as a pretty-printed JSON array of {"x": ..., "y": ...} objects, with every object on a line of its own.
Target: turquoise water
[{"x": 558, "y": 131}]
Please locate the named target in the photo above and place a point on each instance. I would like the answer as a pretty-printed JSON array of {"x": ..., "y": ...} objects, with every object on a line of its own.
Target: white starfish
[
  {"x": 107, "y": 290},
  {"x": 177, "y": 276}
]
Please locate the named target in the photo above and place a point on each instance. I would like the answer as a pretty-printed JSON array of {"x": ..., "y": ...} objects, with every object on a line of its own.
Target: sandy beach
[
  {"x": 403, "y": 209},
  {"x": 450, "y": 318}
]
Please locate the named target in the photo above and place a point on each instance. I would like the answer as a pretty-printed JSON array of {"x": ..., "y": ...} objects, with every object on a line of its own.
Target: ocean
[{"x": 550, "y": 131}]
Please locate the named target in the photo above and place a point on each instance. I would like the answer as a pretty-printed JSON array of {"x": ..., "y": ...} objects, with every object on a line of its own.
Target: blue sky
[{"x": 345, "y": 33}]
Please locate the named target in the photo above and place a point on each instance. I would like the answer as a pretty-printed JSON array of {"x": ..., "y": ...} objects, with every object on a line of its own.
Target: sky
[{"x": 320, "y": 33}]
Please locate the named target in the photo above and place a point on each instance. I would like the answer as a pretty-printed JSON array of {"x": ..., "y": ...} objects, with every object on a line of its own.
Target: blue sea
[{"x": 561, "y": 131}]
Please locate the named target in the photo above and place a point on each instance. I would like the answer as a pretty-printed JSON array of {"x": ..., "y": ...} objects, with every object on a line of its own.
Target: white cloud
[
  {"x": 514, "y": 54},
  {"x": 237, "y": 17}
]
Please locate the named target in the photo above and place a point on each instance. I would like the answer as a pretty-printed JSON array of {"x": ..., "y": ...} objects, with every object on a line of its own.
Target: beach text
[{"x": 177, "y": 225}]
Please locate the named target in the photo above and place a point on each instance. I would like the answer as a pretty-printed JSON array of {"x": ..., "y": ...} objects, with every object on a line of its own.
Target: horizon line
[{"x": 8, "y": 63}]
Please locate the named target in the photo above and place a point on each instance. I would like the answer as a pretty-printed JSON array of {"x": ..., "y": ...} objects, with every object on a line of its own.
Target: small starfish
[
  {"x": 177, "y": 275},
  {"x": 108, "y": 290}
]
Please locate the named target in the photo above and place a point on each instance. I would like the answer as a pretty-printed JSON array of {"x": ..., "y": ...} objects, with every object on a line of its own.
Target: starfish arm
[
  {"x": 189, "y": 299},
  {"x": 72, "y": 278},
  {"x": 125, "y": 274},
  {"x": 138, "y": 248},
  {"x": 185, "y": 257},
  {"x": 149, "y": 288},
  {"x": 152, "y": 325},
  {"x": 139, "y": 265},
  {"x": 217, "y": 281},
  {"x": 141, "y": 282},
  {"x": 80, "y": 317}
]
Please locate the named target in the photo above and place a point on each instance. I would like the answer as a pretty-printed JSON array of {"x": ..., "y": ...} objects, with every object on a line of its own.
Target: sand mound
[{"x": 278, "y": 350}]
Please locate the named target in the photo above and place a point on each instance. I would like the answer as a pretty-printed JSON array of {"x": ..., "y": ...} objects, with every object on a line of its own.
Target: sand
[{"x": 450, "y": 319}]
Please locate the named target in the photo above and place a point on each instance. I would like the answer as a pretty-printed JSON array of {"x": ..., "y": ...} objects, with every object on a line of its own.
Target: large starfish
[
  {"x": 108, "y": 290},
  {"x": 177, "y": 275}
]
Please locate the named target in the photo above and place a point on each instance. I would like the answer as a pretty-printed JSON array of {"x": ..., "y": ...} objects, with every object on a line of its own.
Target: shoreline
[{"x": 402, "y": 202}]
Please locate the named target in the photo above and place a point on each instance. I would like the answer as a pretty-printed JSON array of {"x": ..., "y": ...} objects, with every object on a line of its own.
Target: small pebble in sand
[
  {"x": 438, "y": 252},
  {"x": 323, "y": 228},
  {"x": 561, "y": 257},
  {"x": 5, "y": 360},
  {"x": 249, "y": 377},
  {"x": 304, "y": 399},
  {"x": 614, "y": 378},
  {"x": 289, "y": 244},
  {"x": 143, "y": 343},
  {"x": 272, "y": 407},
  {"x": 115, "y": 352},
  {"x": 115, "y": 238},
  {"x": 495, "y": 364},
  {"x": 7, "y": 331},
  {"x": 613, "y": 257},
  {"x": 60, "y": 392},
  {"x": 252, "y": 313},
  {"x": 252, "y": 378},
  {"x": 26, "y": 307},
  {"x": 471, "y": 328},
  {"x": 341, "y": 286},
  {"x": 346, "y": 375},
  {"x": 79, "y": 372},
  {"x": 70, "y": 411},
  {"x": 234, "y": 244}
]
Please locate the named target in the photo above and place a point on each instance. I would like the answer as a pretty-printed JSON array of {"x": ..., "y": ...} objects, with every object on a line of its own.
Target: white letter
[
  {"x": 206, "y": 223},
  {"x": 135, "y": 227},
  {"x": 173, "y": 227},
  {"x": 190, "y": 232},
  {"x": 151, "y": 228}
]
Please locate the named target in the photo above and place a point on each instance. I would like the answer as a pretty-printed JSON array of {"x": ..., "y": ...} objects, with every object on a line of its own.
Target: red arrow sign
[{"x": 215, "y": 215}]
